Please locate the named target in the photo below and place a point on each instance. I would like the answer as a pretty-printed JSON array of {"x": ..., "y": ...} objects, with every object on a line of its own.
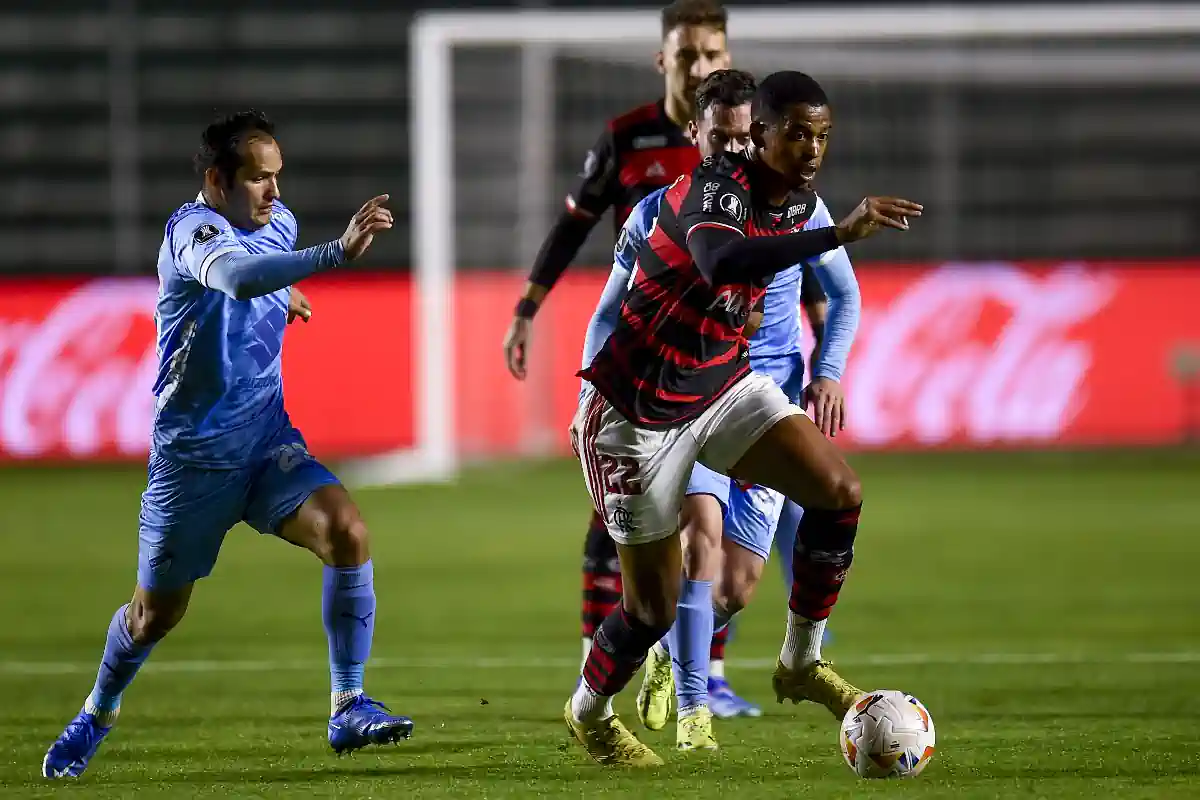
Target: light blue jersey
[
  {"x": 219, "y": 388},
  {"x": 223, "y": 450}
]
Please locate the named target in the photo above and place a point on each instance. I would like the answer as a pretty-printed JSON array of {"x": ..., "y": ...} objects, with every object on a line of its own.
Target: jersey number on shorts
[{"x": 620, "y": 474}]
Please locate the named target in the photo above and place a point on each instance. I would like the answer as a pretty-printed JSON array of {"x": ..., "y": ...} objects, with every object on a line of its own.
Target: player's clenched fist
[
  {"x": 370, "y": 220},
  {"x": 874, "y": 213}
]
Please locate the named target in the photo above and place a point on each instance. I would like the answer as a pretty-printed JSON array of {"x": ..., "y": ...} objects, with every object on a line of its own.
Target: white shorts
[{"x": 637, "y": 477}]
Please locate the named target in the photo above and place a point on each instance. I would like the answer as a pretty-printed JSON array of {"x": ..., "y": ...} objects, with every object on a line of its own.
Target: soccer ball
[{"x": 887, "y": 734}]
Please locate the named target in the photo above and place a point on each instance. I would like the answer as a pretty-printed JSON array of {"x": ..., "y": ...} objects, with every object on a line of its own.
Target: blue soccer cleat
[
  {"x": 362, "y": 721},
  {"x": 725, "y": 704},
  {"x": 74, "y": 748}
]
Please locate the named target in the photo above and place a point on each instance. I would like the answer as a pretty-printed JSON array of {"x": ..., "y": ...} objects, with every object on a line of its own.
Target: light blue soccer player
[
  {"x": 727, "y": 530},
  {"x": 223, "y": 449}
]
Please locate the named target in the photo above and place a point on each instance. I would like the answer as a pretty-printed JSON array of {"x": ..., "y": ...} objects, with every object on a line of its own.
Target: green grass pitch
[{"x": 1045, "y": 607}]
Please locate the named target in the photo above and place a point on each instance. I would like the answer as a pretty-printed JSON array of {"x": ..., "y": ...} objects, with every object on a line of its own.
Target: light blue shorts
[
  {"x": 752, "y": 515},
  {"x": 186, "y": 511}
]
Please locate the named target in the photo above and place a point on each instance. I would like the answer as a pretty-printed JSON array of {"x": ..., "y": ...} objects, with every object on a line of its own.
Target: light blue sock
[
  {"x": 122, "y": 658},
  {"x": 785, "y": 537},
  {"x": 348, "y": 610},
  {"x": 689, "y": 639}
]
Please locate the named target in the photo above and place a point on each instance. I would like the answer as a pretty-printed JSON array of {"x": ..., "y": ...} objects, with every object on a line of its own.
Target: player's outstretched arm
[
  {"x": 243, "y": 276},
  {"x": 723, "y": 253}
]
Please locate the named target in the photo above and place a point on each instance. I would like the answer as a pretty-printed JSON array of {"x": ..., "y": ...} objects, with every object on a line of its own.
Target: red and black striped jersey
[
  {"x": 678, "y": 344},
  {"x": 639, "y": 152}
]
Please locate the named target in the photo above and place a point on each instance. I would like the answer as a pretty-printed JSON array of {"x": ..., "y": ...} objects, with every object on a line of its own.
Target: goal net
[{"x": 1024, "y": 130}]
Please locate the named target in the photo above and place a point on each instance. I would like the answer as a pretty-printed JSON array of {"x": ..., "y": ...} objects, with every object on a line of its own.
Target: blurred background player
[
  {"x": 672, "y": 386},
  {"x": 753, "y": 513},
  {"x": 223, "y": 449},
  {"x": 638, "y": 153}
]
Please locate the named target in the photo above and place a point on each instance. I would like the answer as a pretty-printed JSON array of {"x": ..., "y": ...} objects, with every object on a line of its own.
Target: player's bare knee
[
  {"x": 842, "y": 488},
  {"x": 149, "y": 622},
  {"x": 738, "y": 597},
  {"x": 342, "y": 539}
]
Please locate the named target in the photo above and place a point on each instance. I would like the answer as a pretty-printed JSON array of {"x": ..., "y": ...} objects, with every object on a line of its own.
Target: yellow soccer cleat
[
  {"x": 610, "y": 743},
  {"x": 694, "y": 731},
  {"x": 657, "y": 692},
  {"x": 817, "y": 683}
]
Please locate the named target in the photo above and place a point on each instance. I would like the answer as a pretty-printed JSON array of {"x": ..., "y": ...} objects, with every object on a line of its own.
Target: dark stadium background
[{"x": 1026, "y": 564}]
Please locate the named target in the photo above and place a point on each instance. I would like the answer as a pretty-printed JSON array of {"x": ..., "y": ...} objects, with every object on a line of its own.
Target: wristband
[{"x": 526, "y": 308}]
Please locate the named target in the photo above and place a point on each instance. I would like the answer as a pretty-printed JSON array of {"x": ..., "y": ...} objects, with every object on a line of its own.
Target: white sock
[
  {"x": 716, "y": 668},
  {"x": 338, "y": 699},
  {"x": 802, "y": 641},
  {"x": 587, "y": 649},
  {"x": 587, "y": 706},
  {"x": 104, "y": 719}
]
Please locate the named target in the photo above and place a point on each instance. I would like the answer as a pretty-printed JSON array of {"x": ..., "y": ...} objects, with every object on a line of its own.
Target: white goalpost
[{"x": 1108, "y": 45}]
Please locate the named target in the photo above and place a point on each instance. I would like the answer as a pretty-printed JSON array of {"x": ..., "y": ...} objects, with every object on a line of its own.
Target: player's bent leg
[
  {"x": 690, "y": 639},
  {"x": 740, "y": 573},
  {"x": 749, "y": 528},
  {"x": 684, "y": 651},
  {"x": 185, "y": 513},
  {"x": 796, "y": 459},
  {"x": 329, "y": 524},
  {"x": 650, "y": 579},
  {"x": 132, "y": 633},
  {"x": 678, "y": 665}
]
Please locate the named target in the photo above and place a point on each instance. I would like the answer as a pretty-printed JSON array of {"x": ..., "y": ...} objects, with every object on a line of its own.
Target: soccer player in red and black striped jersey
[
  {"x": 672, "y": 386},
  {"x": 638, "y": 152}
]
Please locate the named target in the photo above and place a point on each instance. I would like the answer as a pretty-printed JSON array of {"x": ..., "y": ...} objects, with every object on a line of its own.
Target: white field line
[{"x": 883, "y": 660}]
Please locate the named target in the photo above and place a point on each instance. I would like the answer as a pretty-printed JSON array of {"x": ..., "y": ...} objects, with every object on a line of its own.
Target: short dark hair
[
  {"x": 708, "y": 13},
  {"x": 779, "y": 91},
  {"x": 221, "y": 139},
  {"x": 728, "y": 87}
]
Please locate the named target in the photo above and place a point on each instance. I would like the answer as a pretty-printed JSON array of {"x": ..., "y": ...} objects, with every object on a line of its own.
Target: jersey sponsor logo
[
  {"x": 648, "y": 142},
  {"x": 732, "y": 206},
  {"x": 795, "y": 211},
  {"x": 205, "y": 233},
  {"x": 731, "y": 300},
  {"x": 656, "y": 170}
]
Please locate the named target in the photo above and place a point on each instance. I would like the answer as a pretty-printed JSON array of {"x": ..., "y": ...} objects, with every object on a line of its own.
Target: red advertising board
[{"x": 949, "y": 356}]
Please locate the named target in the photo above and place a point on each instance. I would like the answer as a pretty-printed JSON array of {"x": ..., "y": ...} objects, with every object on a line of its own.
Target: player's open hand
[
  {"x": 298, "y": 306},
  {"x": 371, "y": 219},
  {"x": 516, "y": 346},
  {"x": 828, "y": 403},
  {"x": 874, "y": 213}
]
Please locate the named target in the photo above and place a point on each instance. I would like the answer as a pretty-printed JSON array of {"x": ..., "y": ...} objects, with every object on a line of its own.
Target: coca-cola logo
[
  {"x": 79, "y": 381},
  {"x": 981, "y": 353}
]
